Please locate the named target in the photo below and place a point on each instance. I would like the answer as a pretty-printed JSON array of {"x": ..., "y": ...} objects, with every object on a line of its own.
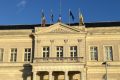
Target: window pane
[
  {"x": 45, "y": 51},
  {"x": 73, "y": 51},
  {"x": 27, "y": 54},
  {"x": 59, "y": 52},
  {"x": 13, "y": 54},
  {"x": 29, "y": 50},
  {"x": 94, "y": 53},
  {"x": 108, "y": 53},
  {"x": 1, "y": 54}
]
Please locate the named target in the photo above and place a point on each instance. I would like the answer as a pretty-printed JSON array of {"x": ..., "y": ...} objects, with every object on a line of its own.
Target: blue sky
[{"x": 29, "y": 11}]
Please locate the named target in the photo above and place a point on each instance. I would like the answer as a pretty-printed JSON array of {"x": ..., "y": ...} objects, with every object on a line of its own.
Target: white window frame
[
  {"x": 73, "y": 52},
  {"x": 59, "y": 52},
  {"x": 46, "y": 52},
  {"x": 90, "y": 57},
  {"x": 27, "y": 54},
  {"x": 1, "y": 54},
  {"x": 13, "y": 57},
  {"x": 108, "y": 59}
]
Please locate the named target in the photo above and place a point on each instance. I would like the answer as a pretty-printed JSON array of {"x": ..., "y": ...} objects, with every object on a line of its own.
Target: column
[
  {"x": 66, "y": 75},
  {"x": 50, "y": 75},
  {"x": 34, "y": 75},
  {"x": 83, "y": 75}
]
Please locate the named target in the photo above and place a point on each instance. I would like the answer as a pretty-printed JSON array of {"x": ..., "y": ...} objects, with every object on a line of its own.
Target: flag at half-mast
[
  {"x": 51, "y": 16},
  {"x": 43, "y": 20},
  {"x": 71, "y": 15}
]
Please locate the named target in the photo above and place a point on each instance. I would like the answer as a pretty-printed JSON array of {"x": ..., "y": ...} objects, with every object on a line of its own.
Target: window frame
[
  {"x": 105, "y": 53},
  {"x": 90, "y": 58},
  {"x": 73, "y": 57},
  {"x": 59, "y": 52},
  {"x": 13, "y": 54},
  {"x": 27, "y": 55},
  {"x": 1, "y": 56},
  {"x": 46, "y": 52}
]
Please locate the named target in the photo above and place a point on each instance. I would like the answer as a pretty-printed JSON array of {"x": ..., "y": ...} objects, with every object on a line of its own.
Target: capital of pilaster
[
  {"x": 79, "y": 40},
  {"x": 66, "y": 40},
  {"x": 38, "y": 41},
  {"x": 52, "y": 41}
]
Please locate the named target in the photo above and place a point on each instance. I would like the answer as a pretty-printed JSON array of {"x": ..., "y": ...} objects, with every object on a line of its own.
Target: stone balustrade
[{"x": 59, "y": 60}]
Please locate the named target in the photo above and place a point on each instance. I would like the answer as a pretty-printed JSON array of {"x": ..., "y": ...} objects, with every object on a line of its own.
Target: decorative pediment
[{"x": 57, "y": 28}]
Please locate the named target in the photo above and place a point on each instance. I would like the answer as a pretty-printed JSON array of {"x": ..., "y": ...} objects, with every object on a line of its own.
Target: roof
[
  {"x": 96, "y": 24},
  {"x": 102, "y": 24}
]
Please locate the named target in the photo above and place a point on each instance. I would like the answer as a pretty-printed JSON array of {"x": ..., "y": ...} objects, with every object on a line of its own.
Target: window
[
  {"x": 27, "y": 54},
  {"x": 46, "y": 52},
  {"x": 73, "y": 52},
  {"x": 1, "y": 54},
  {"x": 13, "y": 55},
  {"x": 108, "y": 53},
  {"x": 94, "y": 53},
  {"x": 59, "y": 50}
]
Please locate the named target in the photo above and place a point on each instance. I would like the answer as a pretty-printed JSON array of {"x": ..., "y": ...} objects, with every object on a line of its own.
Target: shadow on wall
[
  {"x": 27, "y": 71},
  {"x": 104, "y": 77}
]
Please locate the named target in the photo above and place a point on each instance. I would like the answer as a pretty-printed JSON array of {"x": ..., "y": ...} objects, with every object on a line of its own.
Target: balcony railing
[{"x": 59, "y": 60}]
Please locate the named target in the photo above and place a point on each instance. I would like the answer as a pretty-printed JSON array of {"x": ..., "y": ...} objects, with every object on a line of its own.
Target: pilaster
[
  {"x": 65, "y": 48},
  {"x": 83, "y": 75},
  {"x": 35, "y": 46},
  {"x": 52, "y": 48},
  {"x": 78, "y": 47}
]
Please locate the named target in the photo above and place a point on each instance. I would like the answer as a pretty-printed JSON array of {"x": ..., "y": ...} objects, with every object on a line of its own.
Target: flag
[
  {"x": 81, "y": 20},
  {"x": 43, "y": 22},
  {"x": 71, "y": 15},
  {"x": 60, "y": 18},
  {"x": 51, "y": 16},
  {"x": 43, "y": 19}
]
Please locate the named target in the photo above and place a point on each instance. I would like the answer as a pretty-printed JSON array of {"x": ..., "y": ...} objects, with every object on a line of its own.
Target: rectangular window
[
  {"x": 59, "y": 50},
  {"x": 73, "y": 52},
  {"x": 27, "y": 55},
  {"x": 1, "y": 54},
  {"x": 13, "y": 55},
  {"x": 108, "y": 53},
  {"x": 94, "y": 53},
  {"x": 46, "y": 52}
]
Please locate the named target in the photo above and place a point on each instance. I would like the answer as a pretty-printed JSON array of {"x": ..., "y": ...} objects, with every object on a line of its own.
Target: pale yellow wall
[{"x": 66, "y": 36}]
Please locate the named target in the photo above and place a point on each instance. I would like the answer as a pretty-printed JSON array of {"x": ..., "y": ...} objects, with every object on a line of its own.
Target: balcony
[{"x": 59, "y": 60}]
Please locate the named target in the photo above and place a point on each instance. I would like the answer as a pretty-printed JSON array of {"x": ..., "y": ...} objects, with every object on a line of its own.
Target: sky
[{"x": 19, "y": 12}]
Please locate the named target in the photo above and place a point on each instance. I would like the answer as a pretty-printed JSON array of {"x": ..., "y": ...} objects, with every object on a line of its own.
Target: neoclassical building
[{"x": 60, "y": 51}]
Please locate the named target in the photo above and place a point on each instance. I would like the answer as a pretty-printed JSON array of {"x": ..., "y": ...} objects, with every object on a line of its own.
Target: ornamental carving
[
  {"x": 65, "y": 40},
  {"x": 79, "y": 40},
  {"x": 59, "y": 30},
  {"x": 51, "y": 41}
]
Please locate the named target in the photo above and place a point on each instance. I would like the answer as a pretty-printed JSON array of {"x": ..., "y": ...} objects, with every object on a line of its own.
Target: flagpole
[
  {"x": 60, "y": 5},
  {"x": 50, "y": 17},
  {"x": 79, "y": 16},
  {"x": 69, "y": 17},
  {"x": 41, "y": 16}
]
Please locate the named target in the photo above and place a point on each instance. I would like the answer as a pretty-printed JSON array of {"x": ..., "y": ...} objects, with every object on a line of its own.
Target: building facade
[{"x": 60, "y": 52}]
